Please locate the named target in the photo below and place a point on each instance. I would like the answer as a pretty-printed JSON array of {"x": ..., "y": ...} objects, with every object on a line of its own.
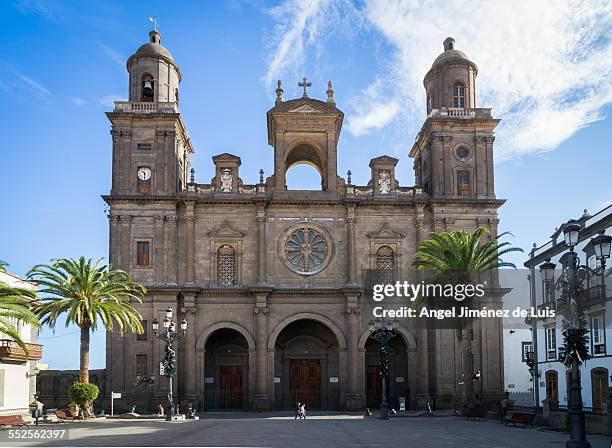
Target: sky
[{"x": 544, "y": 69}]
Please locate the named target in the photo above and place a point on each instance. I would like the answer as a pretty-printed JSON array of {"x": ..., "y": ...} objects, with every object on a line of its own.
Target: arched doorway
[
  {"x": 226, "y": 371},
  {"x": 306, "y": 366},
  {"x": 398, "y": 385}
]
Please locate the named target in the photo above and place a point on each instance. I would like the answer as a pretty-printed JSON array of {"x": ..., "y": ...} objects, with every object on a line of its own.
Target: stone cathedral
[{"x": 274, "y": 282}]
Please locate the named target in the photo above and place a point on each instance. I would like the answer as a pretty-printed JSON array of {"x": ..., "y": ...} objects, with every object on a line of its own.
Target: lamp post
[
  {"x": 383, "y": 333},
  {"x": 575, "y": 350},
  {"x": 169, "y": 336}
]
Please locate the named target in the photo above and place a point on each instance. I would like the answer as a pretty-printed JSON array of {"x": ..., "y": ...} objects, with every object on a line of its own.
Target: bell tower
[
  {"x": 453, "y": 153},
  {"x": 305, "y": 130},
  {"x": 151, "y": 148}
]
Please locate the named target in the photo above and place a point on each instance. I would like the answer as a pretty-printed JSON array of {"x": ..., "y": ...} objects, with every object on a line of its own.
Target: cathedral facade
[{"x": 275, "y": 283}]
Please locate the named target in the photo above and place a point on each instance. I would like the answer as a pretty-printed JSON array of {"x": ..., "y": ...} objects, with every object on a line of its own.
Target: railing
[
  {"x": 11, "y": 351},
  {"x": 145, "y": 107},
  {"x": 461, "y": 112}
]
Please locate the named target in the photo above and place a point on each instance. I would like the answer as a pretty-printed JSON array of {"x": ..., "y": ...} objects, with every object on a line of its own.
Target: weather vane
[{"x": 153, "y": 20}]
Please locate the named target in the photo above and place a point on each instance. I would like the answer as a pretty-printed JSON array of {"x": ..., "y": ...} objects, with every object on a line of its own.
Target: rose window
[{"x": 306, "y": 250}]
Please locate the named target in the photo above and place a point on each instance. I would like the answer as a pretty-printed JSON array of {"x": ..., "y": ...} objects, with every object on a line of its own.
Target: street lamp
[
  {"x": 547, "y": 271},
  {"x": 570, "y": 233},
  {"x": 601, "y": 246},
  {"x": 575, "y": 351},
  {"x": 383, "y": 333},
  {"x": 169, "y": 336}
]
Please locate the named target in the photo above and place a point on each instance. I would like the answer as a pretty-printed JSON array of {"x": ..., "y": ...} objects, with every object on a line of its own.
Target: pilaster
[{"x": 262, "y": 397}]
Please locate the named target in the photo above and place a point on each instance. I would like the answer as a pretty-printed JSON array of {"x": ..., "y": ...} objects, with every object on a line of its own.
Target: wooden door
[
  {"x": 552, "y": 389},
  {"x": 373, "y": 387},
  {"x": 305, "y": 382},
  {"x": 230, "y": 387},
  {"x": 599, "y": 384}
]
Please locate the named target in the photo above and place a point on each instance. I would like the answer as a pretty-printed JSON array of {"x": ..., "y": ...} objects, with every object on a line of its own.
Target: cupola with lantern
[{"x": 154, "y": 76}]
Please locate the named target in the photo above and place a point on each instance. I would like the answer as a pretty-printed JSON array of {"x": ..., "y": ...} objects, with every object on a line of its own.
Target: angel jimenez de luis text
[{"x": 463, "y": 312}]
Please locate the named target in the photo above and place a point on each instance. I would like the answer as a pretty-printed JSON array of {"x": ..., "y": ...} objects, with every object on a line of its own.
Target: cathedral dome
[
  {"x": 451, "y": 55},
  {"x": 153, "y": 48}
]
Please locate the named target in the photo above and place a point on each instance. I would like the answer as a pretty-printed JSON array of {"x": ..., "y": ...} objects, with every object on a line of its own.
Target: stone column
[
  {"x": 189, "y": 244},
  {"x": 189, "y": 312},
  {"x": 114, "y": 252},
  {"x": 480, "y": 172},
  {"x": 116, "y": 164},
  {"x": 351, "y": 262},
  {"x": 447, "y": 180},
  {"x": 126, "y": 242},
  {"x": 127, "y": 177},
  {"x": 437, "y": 172},
  {"x": 170, "y": 241},
  {"x": 159, "y": 181},
  {"x": 158, "y": 247},
  {"x": 261, "y": 245},
  {"x": 353, "y": 400},
  {"x": 262, "y": 398},
  {"x": 421, "y": 392},
  {"x": 332, "y": 175},
  {"x": 490, "y": 169}
]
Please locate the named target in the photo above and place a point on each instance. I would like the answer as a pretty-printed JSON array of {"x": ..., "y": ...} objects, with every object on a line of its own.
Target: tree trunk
[
  {"x": 468, "y": 365},
  {"x": 84, "y": 361}
]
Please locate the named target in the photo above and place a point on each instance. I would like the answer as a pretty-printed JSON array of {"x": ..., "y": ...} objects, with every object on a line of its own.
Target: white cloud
[
  {"x": 301, "y": 24},
  {"x": 370, "y": 112},
  {"x": 544, "y": 67},
  {"x": 108, "y": 101},
  {"x": 115, "y": 56},
  {"x": 34, "y": 7},
  {"x": 78, "y": 101},
  {"x": 30, "y": 84}
]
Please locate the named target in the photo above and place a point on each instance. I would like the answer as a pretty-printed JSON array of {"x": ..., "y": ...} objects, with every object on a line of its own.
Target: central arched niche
[
  {"x": 226, "y": 367},
  {"x": 309, "y": 154},
  {"x": 306, "y": 356}
]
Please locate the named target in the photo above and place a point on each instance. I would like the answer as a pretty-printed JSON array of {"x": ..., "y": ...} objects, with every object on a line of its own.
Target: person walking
[
  {"x": 298, "y": 411},
  {"x": 503, "y": 405},
  {"x": 303, "y": 411}
]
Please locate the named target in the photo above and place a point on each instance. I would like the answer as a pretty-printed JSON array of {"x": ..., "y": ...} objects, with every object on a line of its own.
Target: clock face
[{"x": 144, "y": 173}]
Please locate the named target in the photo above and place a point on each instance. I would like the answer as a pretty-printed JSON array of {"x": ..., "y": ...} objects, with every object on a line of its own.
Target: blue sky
[{"x": 544, "y": 70}]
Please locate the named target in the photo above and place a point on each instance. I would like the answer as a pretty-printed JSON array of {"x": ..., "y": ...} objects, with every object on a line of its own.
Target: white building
[
  {"x": 17, "y": 370},
  {"x": 517, "y": 336},
  {"x": 595, "y": 295}
]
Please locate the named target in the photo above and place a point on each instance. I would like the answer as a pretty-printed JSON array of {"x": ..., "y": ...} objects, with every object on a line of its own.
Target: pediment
[
  {"x": 226, "y": 231},
  {"x": 305, "y": 109},
  {"x": 386, "y": 233}
]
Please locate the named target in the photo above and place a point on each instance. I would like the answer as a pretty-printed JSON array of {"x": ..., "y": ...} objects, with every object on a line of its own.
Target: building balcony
[
  {"x": 10, "y": 351},
  {"x": 145, "y": 107}
]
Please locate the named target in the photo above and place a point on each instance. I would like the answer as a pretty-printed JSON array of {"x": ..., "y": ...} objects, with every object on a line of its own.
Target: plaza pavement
[{"x": 319, "y": 431}]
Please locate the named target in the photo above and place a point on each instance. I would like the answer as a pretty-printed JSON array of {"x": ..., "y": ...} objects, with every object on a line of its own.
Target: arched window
[
  {"x": 459, "y": 95},
  {"x": 429, "y": 104},
  {"x": 385, "y": 265},
  {"x": 147, "y": 91},
  {"x": 226, "y": 266}
]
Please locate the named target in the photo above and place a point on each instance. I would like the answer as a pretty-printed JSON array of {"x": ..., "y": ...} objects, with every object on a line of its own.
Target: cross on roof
[{"x": 305, "y": 85}]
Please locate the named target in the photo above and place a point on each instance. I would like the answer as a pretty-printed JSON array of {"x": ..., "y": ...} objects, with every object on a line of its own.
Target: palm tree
[
  {"x": 3, "y": 265},
  {"x": 91, "y": 294},
  {"x": 456, "y": 258},
  {"x": 15, "y": 304}
]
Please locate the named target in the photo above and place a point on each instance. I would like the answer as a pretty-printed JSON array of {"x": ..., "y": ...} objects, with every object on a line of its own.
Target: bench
[
  {"x": 12, "y": 420},
  {"x": 476, "y": 413},
  {"x": 521, "y": 418},
  {"x": 66, "y": 416}
]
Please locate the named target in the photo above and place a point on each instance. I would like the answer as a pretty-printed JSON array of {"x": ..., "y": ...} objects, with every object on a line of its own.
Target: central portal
[
  {"x": 306, "y": 366},
  {"x": 305, "y": 381}
]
